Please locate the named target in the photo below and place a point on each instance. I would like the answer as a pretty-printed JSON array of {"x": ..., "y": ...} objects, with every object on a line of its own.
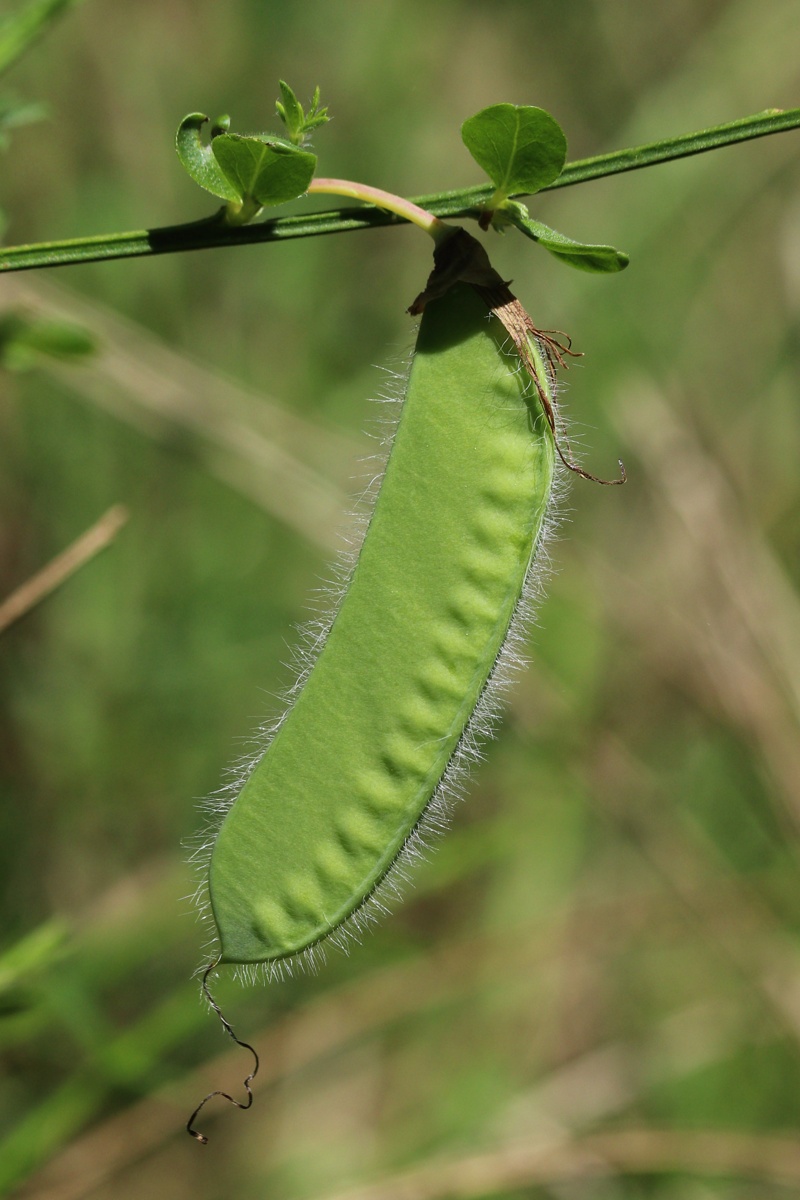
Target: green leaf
[
  {"x": 521, "y": 148},
  {"x": 265, "y": 169},
  {"x": 316, "y": 116},
  {"x": 583, "y": 255},
  {"x": 299, "y": 123},
  {"x": 23, "y": 340},
  {"x": 290, "y": 111},
  {"x": 198, "y": 159}
]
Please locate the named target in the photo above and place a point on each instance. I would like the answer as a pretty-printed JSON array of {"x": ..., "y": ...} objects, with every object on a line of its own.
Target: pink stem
[{"x": 386, "y": 200}]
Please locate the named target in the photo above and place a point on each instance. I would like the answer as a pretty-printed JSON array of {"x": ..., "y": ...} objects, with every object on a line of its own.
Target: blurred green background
[{"x": 593, "y": 988}]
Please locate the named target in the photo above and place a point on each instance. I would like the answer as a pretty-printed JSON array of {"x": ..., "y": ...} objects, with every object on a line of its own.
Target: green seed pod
[{"x": 411, "y": 668}]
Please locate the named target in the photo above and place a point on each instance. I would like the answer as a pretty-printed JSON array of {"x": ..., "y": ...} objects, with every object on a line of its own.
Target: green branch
[{"x": 462, "y": 203}]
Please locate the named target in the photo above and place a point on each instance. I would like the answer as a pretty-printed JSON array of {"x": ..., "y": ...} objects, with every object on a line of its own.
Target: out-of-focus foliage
[
  {"x": 20, "y": 28},
  {"x": 24, "y": 341},
  {"x": 600, "y": 963},
  {"x": 23, "y": 23}
]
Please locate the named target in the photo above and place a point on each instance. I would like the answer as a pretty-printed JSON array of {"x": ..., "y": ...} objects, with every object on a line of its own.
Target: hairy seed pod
[{"x": 412, "y": 665}]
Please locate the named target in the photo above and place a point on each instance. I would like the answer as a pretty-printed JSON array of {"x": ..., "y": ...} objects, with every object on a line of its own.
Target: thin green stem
[
  {"x": 465, "y": 202},
  {"x": 772, "y": 120}
]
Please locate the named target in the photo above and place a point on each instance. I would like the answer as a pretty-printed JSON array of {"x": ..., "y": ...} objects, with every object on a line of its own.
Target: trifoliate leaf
[{"x": 265, "y": 169}]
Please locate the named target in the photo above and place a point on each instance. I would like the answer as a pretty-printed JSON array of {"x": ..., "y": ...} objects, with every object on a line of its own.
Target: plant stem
[
  {"x": 386, "y": 201},
  {"x": 465, "y": 202}
]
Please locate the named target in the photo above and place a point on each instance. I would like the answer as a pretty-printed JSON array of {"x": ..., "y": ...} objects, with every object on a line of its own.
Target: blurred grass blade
[
  {"x": 294, "y": 469},
  {"x": 76, "y": 555},
  {"x": 517, "y": 1167},
  {"x": 40, "y": 948},
  {"x": 25, "y": 341},
  {"x": 15, "y": 113},
  {"x": 19, "y": 30}
]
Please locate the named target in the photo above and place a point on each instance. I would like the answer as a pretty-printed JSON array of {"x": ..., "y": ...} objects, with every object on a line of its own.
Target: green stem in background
[
  {"x": 19, "y": 31},
  {"x": 465, "y": 202}
]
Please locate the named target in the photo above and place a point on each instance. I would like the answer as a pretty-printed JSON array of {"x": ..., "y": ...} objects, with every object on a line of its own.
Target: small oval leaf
[
  {"x": 583, "y": 255},
  {"x": 521, "y": 148},
  {"x": 600, "y": 260},
  {"x": 266, "y": 169},
  {"x": 198, "y": 159}
]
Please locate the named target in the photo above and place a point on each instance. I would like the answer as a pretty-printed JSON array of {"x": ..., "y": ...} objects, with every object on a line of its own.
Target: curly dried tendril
[{"x": 201, "y": 1137}]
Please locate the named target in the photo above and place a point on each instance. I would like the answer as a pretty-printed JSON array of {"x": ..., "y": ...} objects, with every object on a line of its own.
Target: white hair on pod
[{"x": 481, "y": 726}]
